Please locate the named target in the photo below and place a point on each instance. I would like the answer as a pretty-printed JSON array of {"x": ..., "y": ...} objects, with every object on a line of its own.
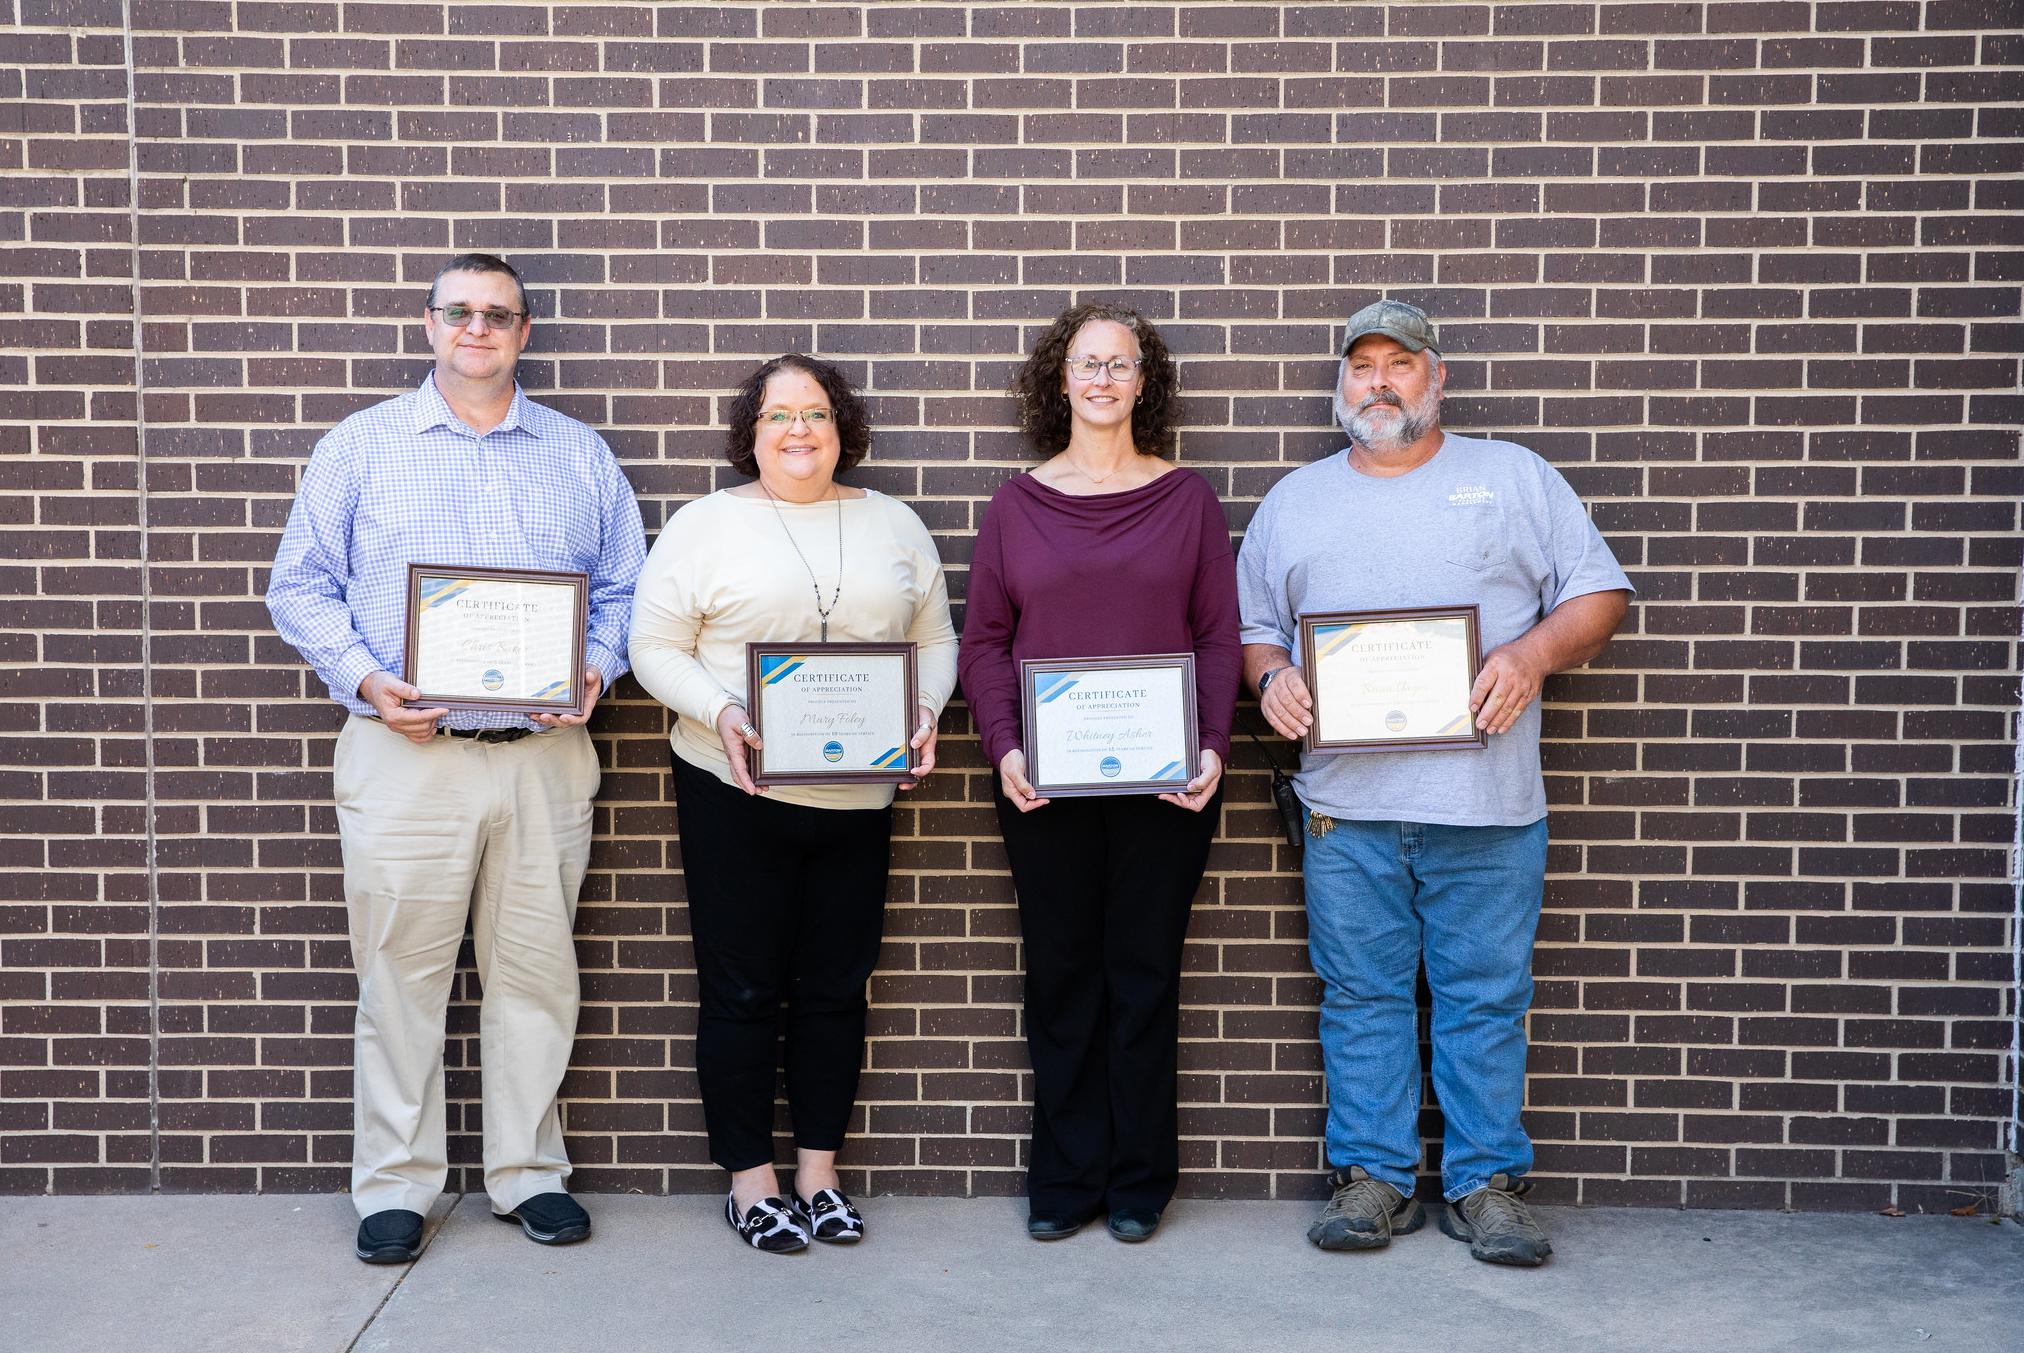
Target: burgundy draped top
[{"x": 1141, "y": 571}]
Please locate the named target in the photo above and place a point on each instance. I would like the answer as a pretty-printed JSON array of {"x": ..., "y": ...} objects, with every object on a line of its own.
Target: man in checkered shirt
[{"x": 474, "y": 813}]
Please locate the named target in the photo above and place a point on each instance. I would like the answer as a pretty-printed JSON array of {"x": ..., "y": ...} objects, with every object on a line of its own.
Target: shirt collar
[{"x": 431, "y": 410}]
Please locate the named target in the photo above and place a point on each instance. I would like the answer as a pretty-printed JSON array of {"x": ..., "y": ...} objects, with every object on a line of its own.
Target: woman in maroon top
[{"x": 1105, "y": 550}]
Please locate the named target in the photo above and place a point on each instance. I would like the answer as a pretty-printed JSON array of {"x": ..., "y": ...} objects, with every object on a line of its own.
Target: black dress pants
[
  {"x": 786, "y": 905},
  {"x": 1105, "y": 886}
]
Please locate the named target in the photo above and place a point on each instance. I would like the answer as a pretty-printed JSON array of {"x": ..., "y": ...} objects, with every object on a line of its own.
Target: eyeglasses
[
  {"x": 495, "y": 316},
  {"x": 1121, "y": 369},
  {"x": 780, "y": 418}
]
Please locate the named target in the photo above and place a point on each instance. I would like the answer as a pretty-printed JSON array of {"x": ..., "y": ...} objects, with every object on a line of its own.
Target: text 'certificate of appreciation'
[
  {"x": 1109, "y": 725},
  {"x": 510, "y": 639},
  {"x": 832, "y": 713},
  {"x": 1391, "y": 680}
]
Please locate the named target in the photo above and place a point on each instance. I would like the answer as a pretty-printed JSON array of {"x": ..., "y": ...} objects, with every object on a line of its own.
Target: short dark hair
[
  {"x": 480, "y": 263},
  {"x": 853, "y": 425},
  {"x": 1043, "y": 408}
]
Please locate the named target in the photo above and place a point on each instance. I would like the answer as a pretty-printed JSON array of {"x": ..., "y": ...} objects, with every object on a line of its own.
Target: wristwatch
[{"x": 1266, "y": 680}]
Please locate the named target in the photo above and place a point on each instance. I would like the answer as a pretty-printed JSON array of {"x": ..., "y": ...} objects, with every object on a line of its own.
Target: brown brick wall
[{"x": 1749, "y": 273}]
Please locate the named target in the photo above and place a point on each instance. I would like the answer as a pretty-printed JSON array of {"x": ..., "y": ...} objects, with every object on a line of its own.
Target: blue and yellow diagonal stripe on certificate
[
  {"x": 1458, "y": 724},
  {"x": 1330, "y": 639},
  {"x": 1053, "y": 685},
  {"x": 774, "y": 668},
  {"x": 554, "y": 690},
  {"x": 892, "y": 758},
  {"x": 436, "y": 591}
]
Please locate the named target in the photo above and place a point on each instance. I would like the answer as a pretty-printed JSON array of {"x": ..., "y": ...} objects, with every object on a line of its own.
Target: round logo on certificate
[
  {"x": 832, "y": 751},
  {"x": 1110, "y": 766},
  {"x": 493, "y": 679},
  {"x": 1396, "y": 720}
]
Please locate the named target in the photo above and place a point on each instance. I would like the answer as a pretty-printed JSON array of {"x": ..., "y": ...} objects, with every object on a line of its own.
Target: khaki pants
[{"x": 433, "y": 833}]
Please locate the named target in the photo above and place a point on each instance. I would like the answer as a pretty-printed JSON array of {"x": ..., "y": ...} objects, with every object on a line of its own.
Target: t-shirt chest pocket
[{"x": 1473, "y": 537}]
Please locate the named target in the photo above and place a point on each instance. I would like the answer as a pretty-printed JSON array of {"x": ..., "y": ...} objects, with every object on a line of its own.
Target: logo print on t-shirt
[{"x": 1469, "y": 495}]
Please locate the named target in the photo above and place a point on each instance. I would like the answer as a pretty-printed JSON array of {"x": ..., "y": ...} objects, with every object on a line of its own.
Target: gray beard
[{"x": 1415, "y": 422}]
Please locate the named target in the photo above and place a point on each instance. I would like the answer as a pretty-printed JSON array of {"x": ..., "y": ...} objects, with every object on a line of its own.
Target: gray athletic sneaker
[
  {"x": 1364, "y": 1214},
  {"x": 1498, "y": 1227}
]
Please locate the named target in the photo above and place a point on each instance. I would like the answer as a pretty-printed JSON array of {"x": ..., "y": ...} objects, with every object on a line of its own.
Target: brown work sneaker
[
  {"x": 1497, "y": 1225},
  {"x": 1364, "y": 1214}
]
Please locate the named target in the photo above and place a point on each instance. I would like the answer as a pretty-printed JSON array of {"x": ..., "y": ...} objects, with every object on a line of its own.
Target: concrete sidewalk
[{"x": 274, "y": 1274}]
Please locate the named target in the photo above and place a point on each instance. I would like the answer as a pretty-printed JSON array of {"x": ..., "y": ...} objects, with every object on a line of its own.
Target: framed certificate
[
  {"x": 832, "y": 713},
  {"x": 496, "y": 638},
  {"x": 1109, "y": 725},
  {"x": 1391, "y": 681}
]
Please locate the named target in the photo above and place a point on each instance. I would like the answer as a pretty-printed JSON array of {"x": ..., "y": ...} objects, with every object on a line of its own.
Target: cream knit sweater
[{"x": 722, "y": 574}]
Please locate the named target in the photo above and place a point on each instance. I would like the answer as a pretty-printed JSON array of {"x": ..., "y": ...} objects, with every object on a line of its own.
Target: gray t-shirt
[{"x": 1483, "y": 521}]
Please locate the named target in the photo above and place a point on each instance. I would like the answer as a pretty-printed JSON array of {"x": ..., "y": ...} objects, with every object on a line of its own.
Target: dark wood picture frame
[
  {"x": 1474, "y": 739},
  {"x": 580, "y": 582},
  {"x": 1029, "y": 668},
  {"x": 755, "y": 696}
]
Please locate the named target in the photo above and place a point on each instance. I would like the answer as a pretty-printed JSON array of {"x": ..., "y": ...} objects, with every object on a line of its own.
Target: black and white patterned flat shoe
[
  {"x": 769, "y": 1225},
  {"x": 830, "y": 1218}
]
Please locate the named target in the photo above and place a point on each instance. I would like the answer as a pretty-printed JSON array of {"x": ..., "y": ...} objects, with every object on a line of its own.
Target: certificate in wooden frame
[
  {"x": 879, "y": 753},
  {"x": 508, "y": 639},
  {"x": 1045, "y": 685},
  {"x": 1435, "y": 718}
]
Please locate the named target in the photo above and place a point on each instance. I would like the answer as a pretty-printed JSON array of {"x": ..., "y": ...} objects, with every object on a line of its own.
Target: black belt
[{"x": 491, "y": 734}]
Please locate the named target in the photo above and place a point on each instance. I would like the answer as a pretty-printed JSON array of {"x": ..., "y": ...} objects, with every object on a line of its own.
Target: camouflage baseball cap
[{"x": 1394, "y": 319}]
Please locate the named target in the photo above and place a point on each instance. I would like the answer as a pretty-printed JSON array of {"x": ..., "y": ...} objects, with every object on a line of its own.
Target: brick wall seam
[{"x": 146, "y": 622}]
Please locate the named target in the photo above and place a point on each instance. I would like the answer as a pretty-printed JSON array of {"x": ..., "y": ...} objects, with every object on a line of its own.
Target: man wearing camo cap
[{"x": 1434, "y": 856}]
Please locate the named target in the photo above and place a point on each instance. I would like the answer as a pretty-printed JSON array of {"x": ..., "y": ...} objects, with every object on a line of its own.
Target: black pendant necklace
[{"x": 820, "y": 610}]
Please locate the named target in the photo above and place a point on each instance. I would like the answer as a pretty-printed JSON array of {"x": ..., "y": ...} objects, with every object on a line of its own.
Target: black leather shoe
[
  {"x": 390, "y": 1237},
  {"x": 550, "y": 1219},
  {"x": 1133, "y": 1224},
  {"x": 1054, "y": 1225}
]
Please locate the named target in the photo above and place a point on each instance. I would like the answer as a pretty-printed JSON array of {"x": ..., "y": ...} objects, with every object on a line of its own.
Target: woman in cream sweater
[{"x": 787, "y": 884}]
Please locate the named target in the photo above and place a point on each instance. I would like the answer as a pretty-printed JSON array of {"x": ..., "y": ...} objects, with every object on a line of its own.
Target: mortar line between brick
[{"x": 147, "y": 615}]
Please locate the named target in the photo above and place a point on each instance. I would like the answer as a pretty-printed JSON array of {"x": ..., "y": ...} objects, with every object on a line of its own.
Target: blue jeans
[{"x": 1382, "y": 896}]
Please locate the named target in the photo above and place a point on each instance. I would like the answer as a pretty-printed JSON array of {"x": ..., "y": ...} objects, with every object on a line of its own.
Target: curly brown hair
[
  {"x": 1043, "y": 407},
  {"x": 853, "y": 425}
]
